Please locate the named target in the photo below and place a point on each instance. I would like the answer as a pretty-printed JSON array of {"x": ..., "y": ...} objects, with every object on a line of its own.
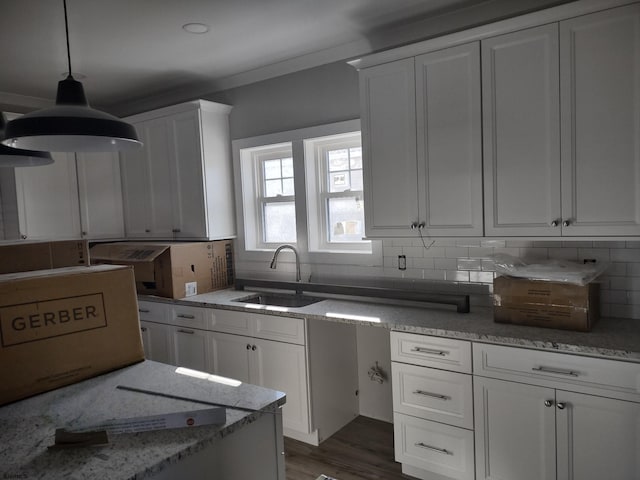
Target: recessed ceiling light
[{"x": 195, "y": 28}]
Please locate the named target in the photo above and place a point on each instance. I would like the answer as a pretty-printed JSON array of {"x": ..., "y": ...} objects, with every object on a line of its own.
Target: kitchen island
[{"x": 248, "y": 445}]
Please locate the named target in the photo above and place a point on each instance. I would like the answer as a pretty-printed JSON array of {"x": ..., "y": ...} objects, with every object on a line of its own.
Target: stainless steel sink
[{"x": 279, "y": 299}]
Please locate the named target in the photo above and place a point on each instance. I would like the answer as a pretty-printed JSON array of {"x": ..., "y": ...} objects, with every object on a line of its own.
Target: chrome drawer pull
[
  {"x": 435, "y": 449},
  {"x": 190, "y": 332},
  {"x": 433, "y": 395},
  {"x": 184, "y": 315},
  {"x": 557, "y": 371},
  {"x": 143, "y": 310},
  {"x": 429, "y": 351}
]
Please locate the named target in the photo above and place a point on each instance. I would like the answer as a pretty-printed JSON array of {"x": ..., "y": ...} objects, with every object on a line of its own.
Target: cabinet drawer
[
  {"x": 431, "y": 446},
  {"x": 153, "y": 311},
  {"x": 429, "y": 351},
  {"x": 193, "y": 317},
  {"x": 432, "y": 394},
  {"x": 227, "y": 321},
  {"x": 558, "y": 370},
  {"x": 282, "y": 329}
]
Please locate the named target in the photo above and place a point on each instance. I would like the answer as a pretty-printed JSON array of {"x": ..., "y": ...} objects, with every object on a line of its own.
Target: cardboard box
[
  {"x": 65, "y": 325},
  {"x": 541, "y": 303},
  {"x": 174, "y": 270},
  {"x": 26, "y": 257}
]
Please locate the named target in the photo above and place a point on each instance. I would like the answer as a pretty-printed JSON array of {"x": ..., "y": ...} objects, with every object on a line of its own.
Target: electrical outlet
[{"x": 402, "y": 262}]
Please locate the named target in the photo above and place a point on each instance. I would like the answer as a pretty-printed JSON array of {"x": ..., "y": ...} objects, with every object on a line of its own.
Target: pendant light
[
  {"x": 15, "y": 157},
  {"x": 71, "y": 125}
]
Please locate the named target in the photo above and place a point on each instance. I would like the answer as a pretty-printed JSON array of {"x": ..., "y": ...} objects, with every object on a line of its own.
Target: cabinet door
[
  {"x": 389, "y": 148},
  {"x": 283, "y": 366},
  {"x": 520, "y": 95},
  {"x": 100, "y": 192},
  {"x": 449, "y": 141},
  {"x": 597, "y": 438},
  {"x": 230, "y": 355},
  {"x": 600, "y": 75},
  {"x": 156, "y": 339},
  {"x": 47, "y": 200},
  {"x": 191, "y": 348},
  {"x": 159, "y": 155},
  {"x": 189, "y": 216},
  {"x": 136, "y": 194},
  {"x": 515, "y": 431}
]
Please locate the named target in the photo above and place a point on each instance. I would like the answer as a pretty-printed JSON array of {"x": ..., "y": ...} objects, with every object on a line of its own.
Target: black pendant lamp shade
[
  {"x": 71, "y": 125},
  {"x": 14, "y": 157}
]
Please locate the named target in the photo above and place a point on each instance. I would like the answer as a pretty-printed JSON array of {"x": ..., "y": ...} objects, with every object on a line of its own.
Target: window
[
  {"x": 334, "y": 193},
  {"x": 303, "y": 187}
]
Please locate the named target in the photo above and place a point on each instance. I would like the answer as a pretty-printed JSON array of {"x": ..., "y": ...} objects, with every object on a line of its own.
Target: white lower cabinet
[
  {"x": 433, "y": 406},
  {"x": 528, "y": 425},
  {"x": 267, "y": 350}
]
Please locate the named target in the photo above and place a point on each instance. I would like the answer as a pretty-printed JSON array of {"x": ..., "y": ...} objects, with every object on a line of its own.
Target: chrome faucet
[{"x": 274, "y": 260}]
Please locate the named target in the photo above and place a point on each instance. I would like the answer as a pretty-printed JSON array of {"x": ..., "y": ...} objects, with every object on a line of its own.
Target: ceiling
[{"x": 127, "y": 50}]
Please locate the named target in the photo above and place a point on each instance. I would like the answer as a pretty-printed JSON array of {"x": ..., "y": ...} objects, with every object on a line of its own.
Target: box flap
[{"x": 127, "y": 252}]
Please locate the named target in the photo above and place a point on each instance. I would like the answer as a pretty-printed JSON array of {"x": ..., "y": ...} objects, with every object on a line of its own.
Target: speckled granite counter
[
  {"x": 27, "y": 427},
  {"x": 611, "y": 337}
]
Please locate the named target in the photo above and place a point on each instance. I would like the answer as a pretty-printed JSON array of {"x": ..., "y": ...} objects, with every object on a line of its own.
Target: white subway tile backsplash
[
  {"x": 481, "y": 277},
  {"x": 466, "y": 265},
  {"x": 456, "y": 252},
  {"x": 625, "y": 254},
  {"x": 445, "y": 263},
  {"x": 469, "y": 264}
]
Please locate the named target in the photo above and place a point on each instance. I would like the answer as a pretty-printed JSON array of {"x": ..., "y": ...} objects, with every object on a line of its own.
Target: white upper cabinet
[
  {"x": 520, "y": 94},
  {"x": 600, "y": 86},
  {"x": 179, "y": 186},
  {"x": 449, "y": 141},
  {"x": 100, "y": 194},
  {"x": 421, "y": 135},
  {"x": 388, "y": 114},
  {"x": 45, "y": 201}
]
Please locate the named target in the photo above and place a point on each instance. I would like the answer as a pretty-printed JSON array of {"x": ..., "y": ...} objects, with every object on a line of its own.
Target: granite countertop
[
  {"x": 27, "y": 427},
  {"x": 611, "y": 337}
]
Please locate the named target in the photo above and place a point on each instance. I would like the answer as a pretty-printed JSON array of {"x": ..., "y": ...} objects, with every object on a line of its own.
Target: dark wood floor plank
[{"x": 363, "y": 450}]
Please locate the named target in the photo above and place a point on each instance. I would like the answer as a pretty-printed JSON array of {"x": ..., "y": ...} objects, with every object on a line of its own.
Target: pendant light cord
[{"x": 66, "y": 29}]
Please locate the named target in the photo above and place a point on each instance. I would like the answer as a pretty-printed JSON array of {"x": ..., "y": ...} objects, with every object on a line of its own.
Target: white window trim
[{"x": 243, "y": 179}]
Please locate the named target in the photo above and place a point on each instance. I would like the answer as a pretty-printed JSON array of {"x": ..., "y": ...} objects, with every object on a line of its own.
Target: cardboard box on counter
[
  {"x": 174, "y": 270},
  {"x": 29, "y": 256},
  {"x": 65, "y": 325},
  {"x": 542, "y": 303}
]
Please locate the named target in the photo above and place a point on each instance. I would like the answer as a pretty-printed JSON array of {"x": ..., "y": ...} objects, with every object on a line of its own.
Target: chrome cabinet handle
[
  {"x": 566, "y": 223},
  {"x": 143, "y": 310},
  {"x": 554, "y": 223},
  {"x": 430, "y": 351},
  {"x": 190, "y": 332},
  {"x": 435, "y": 449},
  {"x": 548, "y": 403},
  {"x": 253, "y": 348},
  {"x": 248, "y": 347},
  {"x": 176, "y": 230},
  {"x": 143, "y": 329},
  {"x": 184, "y": 315},
  {"x": 557, "y": 371},
  {"x": 561, "y": 405},
  {"x": 432, "y": 395}
]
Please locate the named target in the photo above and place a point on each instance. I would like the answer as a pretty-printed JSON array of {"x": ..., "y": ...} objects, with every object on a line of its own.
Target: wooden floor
[{"x": 363, "y": 450}]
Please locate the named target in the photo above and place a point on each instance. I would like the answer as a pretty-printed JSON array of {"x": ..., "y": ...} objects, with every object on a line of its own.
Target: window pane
[
  {"x": 355, "y": 155},
  {"x": 280, "y": 222},
  {"x": 356, "y": 180},
  {"x": 287, "y": 186},
  {"x": 339, "y": 181},
  {"x": 346, "y": 219},
  {"x": 338, "y": 159},
  {"x": 272, "y": 168},
  {"x": 287, "y": 167},
  {"x": 272, "y": 188}
]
